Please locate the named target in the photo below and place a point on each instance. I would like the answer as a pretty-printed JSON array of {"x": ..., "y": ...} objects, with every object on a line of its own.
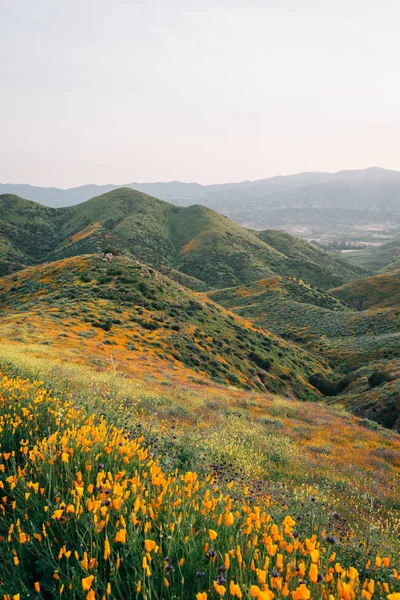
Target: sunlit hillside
[
  {"x": 100, "y": 310},
  {"x": 115, "y": 490},
  {"x": 160, "y": 438}
]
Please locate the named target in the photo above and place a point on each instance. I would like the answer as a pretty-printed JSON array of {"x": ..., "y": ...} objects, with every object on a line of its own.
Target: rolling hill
[
  {"x": 194, "y": 240},
  {"x": 152, "y": 442},
  {"x": 27, "y": 232},
  {"x": 393, "y": 266},
  {"x": 95, "y": 307},
  {"x": 378, "y": 291},
  {"x": 375, "y": 258},
  {"x": 362, "y": 346}
]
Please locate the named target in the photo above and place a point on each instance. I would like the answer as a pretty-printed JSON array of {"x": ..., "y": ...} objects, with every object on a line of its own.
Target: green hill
[
  {"x": 393, "y": 266},
  {"x": 375, "y": 258},
  {"x": 307, "y": 261},
  {"x": 379, "y": 291},
  {"x": 362, "y": 347},
  {"x": 27, "y": 232},
  {"x": 139, "y": 313},
  {"x": 195, "y": 240}
]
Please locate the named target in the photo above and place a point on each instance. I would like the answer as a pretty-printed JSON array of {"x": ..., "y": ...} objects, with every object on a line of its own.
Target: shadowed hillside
[
  {"x": 28, "y": 231},
  {"x": 362, "y": 347}
]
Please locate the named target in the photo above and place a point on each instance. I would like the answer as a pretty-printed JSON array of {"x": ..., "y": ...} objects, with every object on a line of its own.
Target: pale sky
[{"x": 113, "y": 91}]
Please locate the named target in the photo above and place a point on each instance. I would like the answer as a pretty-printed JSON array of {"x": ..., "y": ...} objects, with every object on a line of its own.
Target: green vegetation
[
  {"x": 27, "y": 233},
  {"x": 308, "y": 261},
  {"x": 162, "y": 439},
  {"x": 356, "y": 344},
  {"x": 379, "y": 291},
  {"x": 375, "y": 258},
  {"x": 393, "y": 266},
  {"x": 194, "y": 240},
  {"x": 134, "y": 309},
  {"x": 128, "y": 488}
]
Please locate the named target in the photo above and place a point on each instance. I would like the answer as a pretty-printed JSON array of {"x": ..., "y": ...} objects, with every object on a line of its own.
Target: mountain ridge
[{"x": 77, "y": 194}]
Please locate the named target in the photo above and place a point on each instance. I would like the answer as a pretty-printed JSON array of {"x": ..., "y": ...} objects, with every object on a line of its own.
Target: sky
[{"x": 115, "y": 91}]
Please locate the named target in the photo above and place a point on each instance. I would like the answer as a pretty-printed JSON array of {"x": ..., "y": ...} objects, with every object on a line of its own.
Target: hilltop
[
  {"x": 194, "y": 240},
  {"x": 95, "y": 308}
]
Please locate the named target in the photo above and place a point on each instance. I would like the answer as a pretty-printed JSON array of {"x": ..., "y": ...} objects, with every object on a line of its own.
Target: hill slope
[
  {"x": 225, "y": 476},
  {"x": 379, "y": 291},
  {"x": 27, "y": 232},
  {"x": 194, "y": 240},
  {"x": 94, "y": 306},
  {"x": 375, "y": 257},
  {"x": 363, "y": 347}
]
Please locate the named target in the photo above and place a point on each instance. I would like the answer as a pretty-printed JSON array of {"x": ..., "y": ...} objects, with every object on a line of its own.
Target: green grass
[
  {"x": 308, "y": 261},
  {"x": 356, "y": 344}
]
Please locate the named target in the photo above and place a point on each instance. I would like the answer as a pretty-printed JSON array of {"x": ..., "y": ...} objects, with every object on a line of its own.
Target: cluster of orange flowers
[{"x": 95, "y": 509}]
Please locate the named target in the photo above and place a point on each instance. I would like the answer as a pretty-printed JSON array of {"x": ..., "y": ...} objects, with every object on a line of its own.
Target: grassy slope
[
  {"x": 393, "y": 266},
  {"x": 92, "y": 306},
  {"x": 203, "y": 243},
  {"x": 308, "y": 262},
  {"x": 357, "y": 344},
  {"x": 27, "y": 232},
  {"x": 379, "y": 291},
  {"x": 375, "y": 257},
  {"x": 194, "y": 240},
  {"x": 251, "y": 477}
]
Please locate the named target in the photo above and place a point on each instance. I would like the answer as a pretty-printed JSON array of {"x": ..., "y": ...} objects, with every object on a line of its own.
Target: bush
[{"x": 377, "y": 378}]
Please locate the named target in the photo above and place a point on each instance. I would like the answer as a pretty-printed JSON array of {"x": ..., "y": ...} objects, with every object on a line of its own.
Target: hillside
[
  {"x": 379, "y": 291},
  {"x": 27, "y": 232},
  {"x": 375, "y": 258},
  {"x": 154, "y": 444},
  {"x": 194, "y": 496},
  {"x": 361, "y": 347},
  {"x": 393, "y": 266},
  {"x": 194, "y": 240},
  {"x": 307, "y": 261},
  {"x": 93, "y": 308}
]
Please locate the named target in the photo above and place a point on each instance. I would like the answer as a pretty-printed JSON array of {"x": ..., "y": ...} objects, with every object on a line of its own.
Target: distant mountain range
[{"x": 359, "y": 204}]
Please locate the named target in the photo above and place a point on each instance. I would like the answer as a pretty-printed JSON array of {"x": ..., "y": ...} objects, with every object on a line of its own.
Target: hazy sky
[{"x": 113, "y": 91}]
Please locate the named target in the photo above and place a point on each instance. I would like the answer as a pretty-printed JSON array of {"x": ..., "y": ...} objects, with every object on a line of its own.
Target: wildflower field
[{"x": 100, "y": 504}]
